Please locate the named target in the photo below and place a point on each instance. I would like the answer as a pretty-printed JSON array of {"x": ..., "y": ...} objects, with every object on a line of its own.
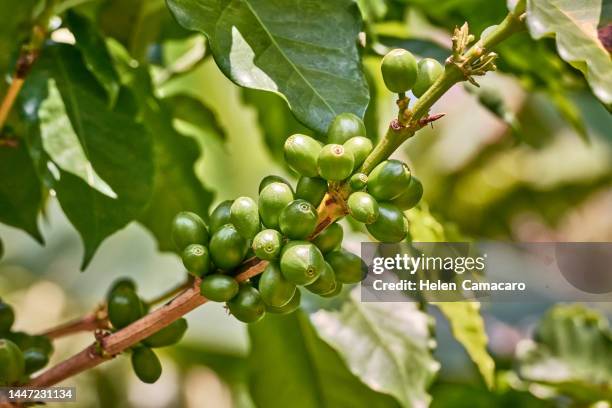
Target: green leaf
[
  {"x": 61, "y": 143},
  {"x": 571, "y": 353},
  {"x": 468, "y": 328},
  {"x": 193, "y": 115},
  {"x": 20, "y": 190},
  {"x": 138, "y": 24},
  {"x": 305, "y": 50},
  {"x": 291, "y": 367},
  {"x": 574, "y": 26},
  {"x": 117, "y": 148},
  {"x": 95, "y": 53},
  {"x": 176, "y": 188},
  {"x": 386, "y": 345}
]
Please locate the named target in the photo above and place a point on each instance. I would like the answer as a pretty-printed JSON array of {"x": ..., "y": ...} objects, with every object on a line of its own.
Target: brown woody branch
[{"x": 108, "y": 346}]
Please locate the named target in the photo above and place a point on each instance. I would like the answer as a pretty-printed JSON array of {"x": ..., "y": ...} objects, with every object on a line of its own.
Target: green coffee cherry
[
  {"x": 301, "y": 154},
  {"x": 26, "y": 341},
  {"x": 272, "y": 179},
  {"x": 12, "y": 364},
  {"x": 302, "y": 263},
  {"x": 298, "y": 219},
  {"x": 146, "y": 365},
  {"x": 196, "y": 260},
  {"x": 272, "y": 200},
  {"x": 363, "y": 207},
  {"x": 391, "y": 225},
  {"x": 220, "y": 216},
  {"x": 358, "y": 181},
  {"x": 188, "y": 228},
  {"x": 247, "y": 306},
  {"x": 428, "y": 71},
  {"x": 121, "y": 284},
  {"x": 345, "y": 126},
  {"x": 169, "y": 335},
  {"x": 329, "y": 239},
  {"x": 389, "y": 179},
  {"x": 311, "y": 189},
  {"x": 267, "y": 244},
  {"x": 411, "y": 196},
  {"x": 334, "y": 292},
  {"x": 335, "y": 163},
  {"x": 360, "y": 147},
  {"x": 34, "y": 360},
  {"x": 124, "y": 308},
  {"x": 290, "y": 307},
  {"x": 399, "y": 70},
  {"x": 244, "y": 214},
  {"x": 7, "y": 317},
  {"x": 325, "y": 283},
  {"x": 218, "y": 288},
  {"x": 346, "y": 265},
  {"x": 227, "y": 247},
  {"x": 275, "y": 290}
]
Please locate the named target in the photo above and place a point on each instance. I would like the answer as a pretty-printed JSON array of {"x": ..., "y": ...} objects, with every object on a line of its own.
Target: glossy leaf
[
  {"x": 386, "y": 345},
  {"x": 468, "y": 328},
  {"x": 290, "y": 366},
  {"x": 574, "y": 26},
  {"x": 95, "y": 54},
  {"x": 571, "y": 353},
  {"x": 138, "y": 24},
  {"x": 303, "y": 50},
  {"x": 116, "y": 146},
  {"x": 176, "y": 187},
  {"x": 20, "y": 190},
  {"x": 191, "y": 113}
]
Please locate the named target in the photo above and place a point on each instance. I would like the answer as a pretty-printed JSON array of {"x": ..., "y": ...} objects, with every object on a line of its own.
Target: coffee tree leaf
[
  {"x": 192, "y": 114},
  {"x": 291, "y": 366},
  {"x": 95, "y": 53},
  {"x": 386, "y": 345},
  {"x": 177, "y": 187},
  {"x": 570, "y": 353},
  {"x": 305, "y": 51},
  {"x": 468, "y": 328},
  {"x": 574, "y": 26},
  {"x": 115, "y": 151},
  {"x": 20, "y": 190}
]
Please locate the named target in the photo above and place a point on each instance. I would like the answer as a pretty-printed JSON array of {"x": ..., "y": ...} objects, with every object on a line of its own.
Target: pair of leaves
[
  {"x": 303, "y": 50},
  {"x": 571, "y": 353},
  {"x": 291, "y": 366},
  {"x": 574, "y": 26}
]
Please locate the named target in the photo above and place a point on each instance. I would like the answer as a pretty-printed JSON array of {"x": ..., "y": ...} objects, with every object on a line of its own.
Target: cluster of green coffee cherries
[
  {"x": 124, "y": 307},
  {"x": 402, "y": 73},
  {"x": 21, "y": 354},
  {"x": 280, "y": 227}
]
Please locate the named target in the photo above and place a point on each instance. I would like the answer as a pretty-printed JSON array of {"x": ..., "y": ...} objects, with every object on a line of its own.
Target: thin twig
[{"x": 96, "y": 320}]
